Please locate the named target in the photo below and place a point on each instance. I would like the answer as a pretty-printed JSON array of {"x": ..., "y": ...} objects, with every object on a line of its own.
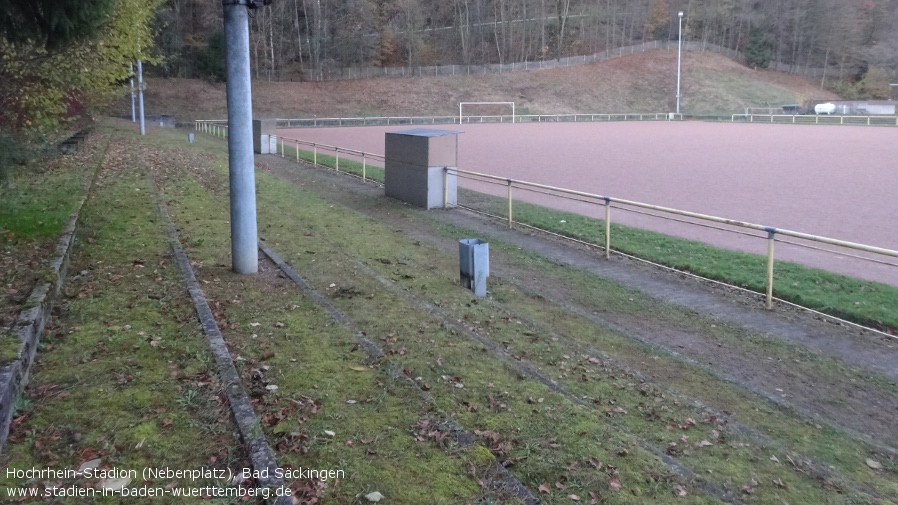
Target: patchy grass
[
  {"x": 869, "y": 303},
  {"x": 34, "y": 206},
  {"x": 124, "y": 375}
]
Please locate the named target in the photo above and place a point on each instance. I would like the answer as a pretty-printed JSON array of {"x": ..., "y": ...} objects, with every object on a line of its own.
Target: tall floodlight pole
[
  {"x": 244, "y": 233},
  {"x": 133, "y": 96},
  {"x": 679, "y": 57},
  {"x": 143, "y": 128}
]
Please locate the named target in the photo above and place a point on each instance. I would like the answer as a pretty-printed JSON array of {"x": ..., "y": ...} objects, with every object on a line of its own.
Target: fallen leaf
[
  {"x": 704, "y": 443},
  {"x": 872, "y": 463},
  {"x": 374, "y": 496},
  {"x": 573, "y": 497},
  {"x": 560, "y": 485},
  {"x": 94, "y": 463},
  {"x": 544, "y": 488},
  {"x": 115, "y": 484},
  {"x": 780, "y": 484},
  {"x": 748, "y": 489},
  {"x": 681, "y": 491},
  {"x": 359, "y": 368},
  {"x": 614, "y": 484}
]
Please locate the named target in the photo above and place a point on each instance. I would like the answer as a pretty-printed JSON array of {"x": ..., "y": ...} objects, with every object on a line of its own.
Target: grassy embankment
[
  {"x": 124, "y": 376},
  {"x": 385, "y": 438}
]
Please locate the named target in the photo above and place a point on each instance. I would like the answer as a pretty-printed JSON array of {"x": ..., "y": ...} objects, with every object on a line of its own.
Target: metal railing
[
  {"x": 215, "y": 127},
  {"x": 607, "y": 203},
  {"x": 816, "y": 119},
  {"x": 434, "y": 120},
  {"x": 355, "y": 155},
  {"x": 219, "y": 126},
  {"x": 772, "y": 234}
]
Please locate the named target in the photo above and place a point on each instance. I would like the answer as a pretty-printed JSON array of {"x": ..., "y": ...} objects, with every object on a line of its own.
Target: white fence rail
[
  {"x": 217, "y": 125},
  {"x": 435, "y": 120},
  {"x": 817, "y": 119}
]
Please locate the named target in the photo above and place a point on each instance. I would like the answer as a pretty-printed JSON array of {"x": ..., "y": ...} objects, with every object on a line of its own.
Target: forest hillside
[{"x": 646, "y": 82}]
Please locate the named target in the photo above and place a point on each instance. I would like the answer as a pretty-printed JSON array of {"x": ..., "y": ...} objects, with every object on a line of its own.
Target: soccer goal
[{"x": 490, "y": 110}]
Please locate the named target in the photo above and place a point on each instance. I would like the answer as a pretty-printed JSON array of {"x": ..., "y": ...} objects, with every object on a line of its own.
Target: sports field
[{"x": 831, "y": 181}]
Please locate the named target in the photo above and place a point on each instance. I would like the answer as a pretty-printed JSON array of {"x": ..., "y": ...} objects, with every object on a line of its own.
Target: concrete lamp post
[
  {"x": 679, "y": 56},
  {"x": 242, "y": 177}
]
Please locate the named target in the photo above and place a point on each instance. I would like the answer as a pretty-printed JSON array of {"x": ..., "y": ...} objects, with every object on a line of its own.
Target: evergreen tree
[
  {"x": 758, "y": 49},
  {"x": 55, "y": 22}
]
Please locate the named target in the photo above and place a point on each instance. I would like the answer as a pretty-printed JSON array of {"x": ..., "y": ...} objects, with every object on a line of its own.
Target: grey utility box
[
  {"x": 265, "y": 136},
  {"x": 163, "y": 120},
  {"x": 474, "y": 264},
  {"x": 415, "y": 165}
]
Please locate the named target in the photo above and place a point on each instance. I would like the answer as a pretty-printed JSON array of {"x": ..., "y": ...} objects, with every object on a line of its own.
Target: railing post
[
  {"x": 607, "y": 227},
  {"x": 283, "y": 148},
  {"x": 771, "y": 232},
  {"x": 297, "y": 151},
  {"x": 337, "y": 156},
  {"x": 364, "y": 166},
  {"x": 510, "y": 219},
  {"x": 445, "y": 187},
  {"x": 315, "y": 154}
]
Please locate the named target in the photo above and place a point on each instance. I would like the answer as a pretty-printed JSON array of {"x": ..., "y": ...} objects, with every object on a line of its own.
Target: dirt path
[{"x": 777, "y": 354}]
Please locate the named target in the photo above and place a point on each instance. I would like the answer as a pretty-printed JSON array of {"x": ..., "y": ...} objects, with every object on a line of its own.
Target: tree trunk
[{"x": 298, "y": 33}]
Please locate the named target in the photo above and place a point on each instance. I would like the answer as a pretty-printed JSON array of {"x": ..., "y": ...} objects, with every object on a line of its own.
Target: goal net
[{"x": 486, "y": 112}]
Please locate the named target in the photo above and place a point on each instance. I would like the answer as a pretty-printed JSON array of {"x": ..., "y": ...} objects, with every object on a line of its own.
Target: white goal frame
[{"x": 462, "y": 104}]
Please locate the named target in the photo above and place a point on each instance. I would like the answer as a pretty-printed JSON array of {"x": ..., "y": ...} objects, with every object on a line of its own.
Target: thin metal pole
[
  {"x": 770, "y": 239},
  {"x": 364, "y": 165},
  {"x": 143, "y": 128},
  {"x": 133, "y": 95},
  {"x": 297, "y": 151},
  {"x": 244, "y": 232},
  {"x": 337, "y": 156},
  {"x": 445, "y": 187},
  {"x": 679, "y": 57},
  {"x": 315, "y": 154},
  {"x": 607, "y": 228},
  {"x": 510, "y": 220}
]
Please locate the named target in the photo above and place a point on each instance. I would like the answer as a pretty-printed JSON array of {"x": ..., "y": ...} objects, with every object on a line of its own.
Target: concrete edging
[{"x": 248, "y": 423}]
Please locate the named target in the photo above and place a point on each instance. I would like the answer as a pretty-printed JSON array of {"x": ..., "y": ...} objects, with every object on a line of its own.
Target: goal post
[{"x": 461, "y": 106}]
